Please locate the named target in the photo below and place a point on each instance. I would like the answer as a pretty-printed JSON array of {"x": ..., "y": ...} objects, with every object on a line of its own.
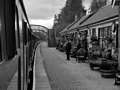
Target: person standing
[
  {"x": 78, "y": 45},
  {"x": 68, "y": 49}
]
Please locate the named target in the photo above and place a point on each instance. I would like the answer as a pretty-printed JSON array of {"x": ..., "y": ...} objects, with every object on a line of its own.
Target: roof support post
[{"x": 119, "y": 38}]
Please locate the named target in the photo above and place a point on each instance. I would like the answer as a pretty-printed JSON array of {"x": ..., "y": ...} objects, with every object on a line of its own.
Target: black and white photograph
[{"x": 59, "y": 44}]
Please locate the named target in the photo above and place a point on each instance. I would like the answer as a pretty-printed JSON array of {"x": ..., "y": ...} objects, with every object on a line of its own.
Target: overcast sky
[{"x": 42, "y": 12}]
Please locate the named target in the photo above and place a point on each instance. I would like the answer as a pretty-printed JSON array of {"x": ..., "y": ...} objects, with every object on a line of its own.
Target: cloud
[
  {"x": 47, "y": 23},
  {"x": 43, "y": 9},
  {"x": 87, "y": 3},
  {"x": 41, "y": 12}
]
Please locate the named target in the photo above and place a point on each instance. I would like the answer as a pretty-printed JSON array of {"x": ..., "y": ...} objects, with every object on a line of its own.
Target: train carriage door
[
  {"x": 10, "y": 28},
  {"x": 17, "y": 32},
  {"x": 24, "y": 30},
  {"x": 2, "y": 31}
]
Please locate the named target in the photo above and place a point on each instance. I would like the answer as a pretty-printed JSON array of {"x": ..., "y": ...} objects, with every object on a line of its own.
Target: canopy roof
[{"x": 104, "y": 13}]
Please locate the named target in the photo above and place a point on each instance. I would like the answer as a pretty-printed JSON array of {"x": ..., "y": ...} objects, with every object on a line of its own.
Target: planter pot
[
  {"x": 107, "y": 73},
  {"x": 80, "y": 59},
  {"x": 93, "y": 64}
]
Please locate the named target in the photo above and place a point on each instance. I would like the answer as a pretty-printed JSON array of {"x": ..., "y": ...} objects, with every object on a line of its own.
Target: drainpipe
[{"x": 118, "y": 38}]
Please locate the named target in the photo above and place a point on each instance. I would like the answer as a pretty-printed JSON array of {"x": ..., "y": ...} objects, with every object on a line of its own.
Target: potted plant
[
  {"x": 93, "y": 58},
  {"x": 106, "y": 69},
  {"x": 115, "y": 55},
  {"x": 109, "y": 40}
]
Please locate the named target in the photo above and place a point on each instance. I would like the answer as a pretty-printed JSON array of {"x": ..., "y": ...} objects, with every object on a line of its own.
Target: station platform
[
  {"x": 40, "y": 81},
  {"x": 62, "y": 71}
]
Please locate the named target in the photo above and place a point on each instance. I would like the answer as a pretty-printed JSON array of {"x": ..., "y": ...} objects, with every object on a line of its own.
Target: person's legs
[{"x": 68, "y": 55}]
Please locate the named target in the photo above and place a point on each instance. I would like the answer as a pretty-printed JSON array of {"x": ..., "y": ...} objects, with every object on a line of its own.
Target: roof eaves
[
  {"x": 73, "y": 23},
  {"x": 66, "y": 28},
  {"x": 84, "y": 19},
  {"x": 87, "y": 18},
  {"x": 98, "y": 21}
]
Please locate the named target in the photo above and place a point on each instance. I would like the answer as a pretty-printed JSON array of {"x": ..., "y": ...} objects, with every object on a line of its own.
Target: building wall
[
  {"x": 51, "y": 42},
  {"x": 96, "y": 26},
  {"x": 101, "y": 25}
]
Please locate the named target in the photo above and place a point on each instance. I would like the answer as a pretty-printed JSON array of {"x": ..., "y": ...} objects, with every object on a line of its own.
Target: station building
[{"x": 102, "y": 23}]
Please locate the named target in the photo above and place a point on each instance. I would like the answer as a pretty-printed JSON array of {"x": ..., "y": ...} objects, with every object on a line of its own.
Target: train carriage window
[
  {"x": 7, "y": 16},
  {"x": 17, "y": 29},
  {"x": 0, "y": 47},
  {"x": 0, "y": 40}
]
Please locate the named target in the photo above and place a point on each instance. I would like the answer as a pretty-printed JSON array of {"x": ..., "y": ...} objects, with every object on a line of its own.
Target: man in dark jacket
[{"x": 68, "y": 48}]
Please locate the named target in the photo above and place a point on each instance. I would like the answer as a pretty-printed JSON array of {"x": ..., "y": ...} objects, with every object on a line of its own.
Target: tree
[
  {"x": 97, "y": 4},
  {"x": 68, "y": 13},
  {"x": 76, "y": 8}
]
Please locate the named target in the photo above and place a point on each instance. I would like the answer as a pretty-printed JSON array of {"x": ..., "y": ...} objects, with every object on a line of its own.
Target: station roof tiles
[
  {"x": 76, "y": 23},
  {"x": 80, "y": 21},
  {"x": 103, "y": 13},
  {"x": 66, "y": 28}
]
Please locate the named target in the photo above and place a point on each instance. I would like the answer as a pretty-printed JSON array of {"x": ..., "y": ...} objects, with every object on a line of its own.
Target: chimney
[
  {"x": 76, "y": 17},
  {"x": 83, "y": 13},
  {"x": 108, "y": 2}
]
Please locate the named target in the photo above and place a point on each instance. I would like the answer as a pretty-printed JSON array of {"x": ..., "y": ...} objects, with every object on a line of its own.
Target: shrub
[
  {"x": 109, "y": 40},
  {"x": 93, "y": 38}
]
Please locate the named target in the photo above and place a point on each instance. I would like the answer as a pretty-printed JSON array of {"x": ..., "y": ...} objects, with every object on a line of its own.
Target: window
[
  {"x": 94, "y": 31},
  {"x": 0, "y": 42},
  {"x": 0, "y": 51},
  {"x": 103, "y": 33},
  {"x": 17, "y": 29},
  {"x": 89, "y": 31},
  {"x": 3, "y": 46},
  {"x": 109, "y": 32}
]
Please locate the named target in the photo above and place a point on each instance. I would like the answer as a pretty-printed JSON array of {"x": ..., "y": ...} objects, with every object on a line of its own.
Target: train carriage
[{"x": 16, "y": 39}]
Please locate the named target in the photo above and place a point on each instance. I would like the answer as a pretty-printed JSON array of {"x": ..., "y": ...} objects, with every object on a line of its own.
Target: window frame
[{"x": 104, "y": 32}]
